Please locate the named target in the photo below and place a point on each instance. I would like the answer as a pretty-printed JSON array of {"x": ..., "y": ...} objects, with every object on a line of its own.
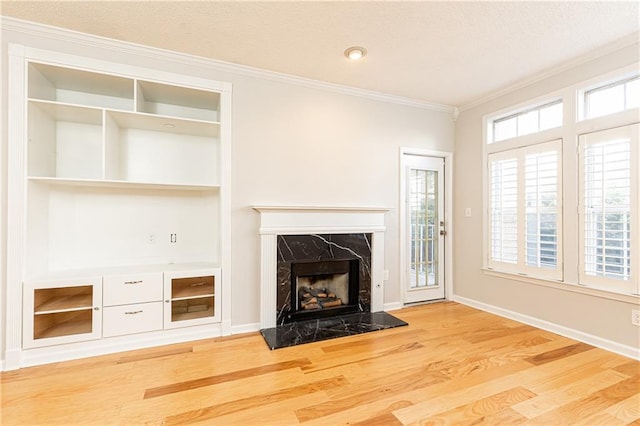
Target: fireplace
[
  {"x": 322, "y": 275},
  {"x": 278, "y": 224},
  {"x": 325, "y": 288},
  {"x": 321, "y": 249}
]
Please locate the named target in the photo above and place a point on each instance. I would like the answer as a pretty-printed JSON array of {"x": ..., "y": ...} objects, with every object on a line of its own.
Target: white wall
[
  {"x": 292, "y": 143},
  {"x": 597, "y": 318}
]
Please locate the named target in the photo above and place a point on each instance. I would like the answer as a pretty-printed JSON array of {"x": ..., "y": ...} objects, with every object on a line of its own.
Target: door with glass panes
[{"x": 425, "y": 228}]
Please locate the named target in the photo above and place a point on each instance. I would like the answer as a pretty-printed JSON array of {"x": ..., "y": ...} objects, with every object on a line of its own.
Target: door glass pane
[{"x": 423, "y": 205}]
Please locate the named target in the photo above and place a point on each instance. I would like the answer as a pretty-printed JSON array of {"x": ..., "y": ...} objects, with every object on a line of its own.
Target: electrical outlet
[
  {"x": 174, "y": 238},
  {"x": 151, "y": 238},
  {"x": 635, "y": 317}
]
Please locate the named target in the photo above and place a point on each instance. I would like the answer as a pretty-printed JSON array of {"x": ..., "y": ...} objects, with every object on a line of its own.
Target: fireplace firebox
[{"x": 324, "y": 288}]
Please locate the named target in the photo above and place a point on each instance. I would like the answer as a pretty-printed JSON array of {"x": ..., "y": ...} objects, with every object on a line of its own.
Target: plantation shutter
[
  {"x": 525, "y": 210},
  {"x": 503, "y": 210},
  {"x": 609, "y": 207}
]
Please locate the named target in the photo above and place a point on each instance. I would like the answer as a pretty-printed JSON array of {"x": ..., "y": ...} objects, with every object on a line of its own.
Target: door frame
[{"x": 448, "y": 217}]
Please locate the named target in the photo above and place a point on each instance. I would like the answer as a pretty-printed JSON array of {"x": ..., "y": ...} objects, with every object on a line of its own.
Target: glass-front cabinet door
[
  {"x": 190, "y": 297},
  {"x": 62, "y": 311}
]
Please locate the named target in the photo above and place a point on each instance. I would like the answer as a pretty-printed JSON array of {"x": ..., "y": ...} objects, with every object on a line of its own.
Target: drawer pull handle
[
  {"x": 132, "y": 312},
  {"x": 197, "y": 284},
  {"x": 133, "y": 282}
]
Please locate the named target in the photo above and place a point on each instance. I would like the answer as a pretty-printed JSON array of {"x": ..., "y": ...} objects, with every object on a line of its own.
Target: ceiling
[{"x": 450, "y": 52}]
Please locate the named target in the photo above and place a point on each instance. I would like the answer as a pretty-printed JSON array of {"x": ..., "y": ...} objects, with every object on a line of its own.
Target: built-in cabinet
[
  {"x": 124, "y": 182},
  {"x": 80, "y": 309}
]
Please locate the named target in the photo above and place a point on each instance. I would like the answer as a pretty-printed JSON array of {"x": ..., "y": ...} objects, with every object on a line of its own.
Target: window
[
  {"x": 611, "y": 98},
  {"x": 532, "y": 120},
  {"x": 525, "y": 210},
  {"x": 568, "y": 210},
  {"x": 609, "y": 186}
]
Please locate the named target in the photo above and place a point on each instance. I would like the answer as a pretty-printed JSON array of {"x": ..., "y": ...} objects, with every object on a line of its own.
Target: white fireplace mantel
[{"x": 302, "y": 220}]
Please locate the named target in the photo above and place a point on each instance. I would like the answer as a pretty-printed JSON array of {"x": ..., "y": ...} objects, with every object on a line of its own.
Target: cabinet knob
[
  {"x": 167, "y": 301},
  {"x": 96, "y": 308}
]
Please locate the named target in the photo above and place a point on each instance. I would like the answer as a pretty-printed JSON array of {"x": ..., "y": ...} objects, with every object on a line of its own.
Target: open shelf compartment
[
  {"x": 175, "y": 101},
  {"x": 73, "y": 86},
  {"x": 48, "y": 300}
]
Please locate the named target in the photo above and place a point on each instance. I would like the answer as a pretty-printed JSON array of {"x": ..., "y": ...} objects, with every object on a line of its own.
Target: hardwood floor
[{"x": 451, "y": 365}]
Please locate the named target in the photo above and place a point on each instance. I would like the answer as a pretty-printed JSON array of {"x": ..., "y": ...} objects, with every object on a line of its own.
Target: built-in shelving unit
[{"x": 124, "y": 182}]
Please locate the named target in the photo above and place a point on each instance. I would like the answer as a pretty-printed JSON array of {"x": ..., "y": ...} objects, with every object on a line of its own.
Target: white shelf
[
  {"x": 200, "y": 296},
  {"x": 166, "y": 124},
  {"x": 103, "y": 183},
  {"x": 126, "y": 269}
]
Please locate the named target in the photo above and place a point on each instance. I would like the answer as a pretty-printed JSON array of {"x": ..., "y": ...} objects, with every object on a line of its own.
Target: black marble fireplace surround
[
  {"x": 294, "y": 329},
  {"x": 303, "y": 249}
]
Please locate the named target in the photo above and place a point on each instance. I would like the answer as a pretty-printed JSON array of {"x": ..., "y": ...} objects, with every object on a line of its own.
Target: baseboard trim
[
  {"x": 245, "y": 328},
  {"x": 609, "y": 345},
  {"x": 50, "y": 354},
  {"x": 394, "y": 306}
]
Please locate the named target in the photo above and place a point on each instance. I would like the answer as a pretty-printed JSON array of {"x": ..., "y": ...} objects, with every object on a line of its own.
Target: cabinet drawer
[
  {"x": 130, "y": 319},
  {"x": 126, "y": 289}
]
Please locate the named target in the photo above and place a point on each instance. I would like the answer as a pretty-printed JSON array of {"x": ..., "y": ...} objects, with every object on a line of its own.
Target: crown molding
[
  {"x": 619, "y": 44},
  {"x": 89, "y": 40}
]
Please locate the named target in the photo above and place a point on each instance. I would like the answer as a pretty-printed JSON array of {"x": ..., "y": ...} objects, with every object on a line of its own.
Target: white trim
[
  {"x": 111, "y": 345},
  {"x": 619, "y": 44},
  {"x": 448, "y": 214},
  {"x": 16, "y": 208},
  {"x": 245, "y": 328},
  {"x": 69, "y": 36},
  {"x": 393, "y": 306},
  {"x": 565, "y": 286},
  {"x": 624, "y": 350}
]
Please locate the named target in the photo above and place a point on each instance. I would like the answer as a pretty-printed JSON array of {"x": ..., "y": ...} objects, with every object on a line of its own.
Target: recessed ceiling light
[
  {"x": 169, "y": 125},
  {"x": 356, "y": 52}
]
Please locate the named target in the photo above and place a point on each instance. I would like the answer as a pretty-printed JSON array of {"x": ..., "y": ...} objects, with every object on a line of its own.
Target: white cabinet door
[
  {"x": 190, "y": 297},
  {"x": 61, "y": 311}
]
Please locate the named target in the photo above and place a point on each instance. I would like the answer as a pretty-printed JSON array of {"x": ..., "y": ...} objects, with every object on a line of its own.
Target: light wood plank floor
[{"x": 451, "y": 365}]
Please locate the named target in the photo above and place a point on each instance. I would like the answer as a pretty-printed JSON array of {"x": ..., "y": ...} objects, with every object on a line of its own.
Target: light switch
[{"x": 467, "y": 212}]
